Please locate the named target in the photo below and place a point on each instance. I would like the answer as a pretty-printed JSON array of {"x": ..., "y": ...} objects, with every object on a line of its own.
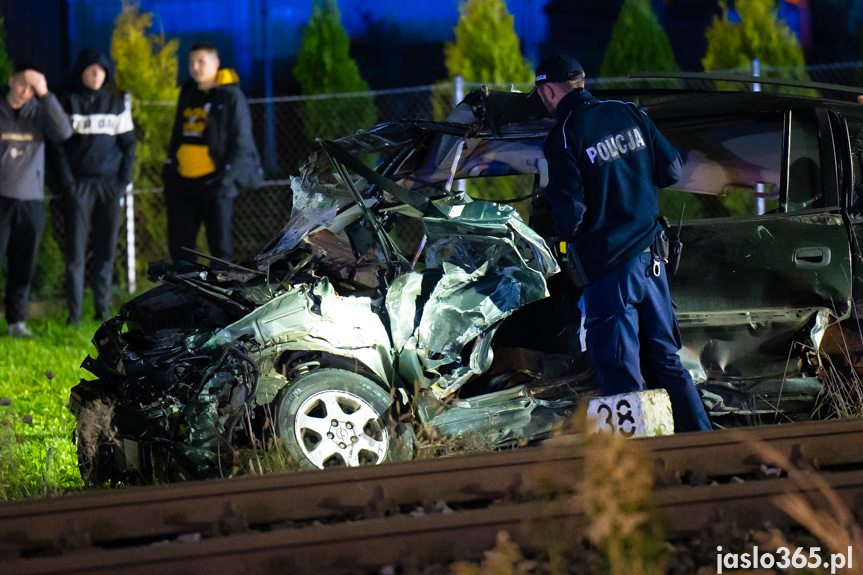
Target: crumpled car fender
[
  {"x": 482, "y": 264},
  {"x": 311, "y": 317}
]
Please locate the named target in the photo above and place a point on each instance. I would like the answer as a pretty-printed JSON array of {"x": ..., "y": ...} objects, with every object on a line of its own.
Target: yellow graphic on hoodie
[
  {"x": 193, "y": 156},
  {"x": 193, "y": 160}
]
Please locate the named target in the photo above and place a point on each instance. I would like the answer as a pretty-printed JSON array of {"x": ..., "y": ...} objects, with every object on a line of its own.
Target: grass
[
  {"x": 840, "y": 371},
  {"x": 37, "y": 455}
]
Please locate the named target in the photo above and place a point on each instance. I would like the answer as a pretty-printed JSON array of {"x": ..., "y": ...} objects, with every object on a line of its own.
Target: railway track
[{"x": 342, "y": 520}]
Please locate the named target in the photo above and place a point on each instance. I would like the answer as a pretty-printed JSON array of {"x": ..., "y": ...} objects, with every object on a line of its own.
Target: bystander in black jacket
[
  {"x": 94, "y": 168},
  {"x": 104, "y": 140},
  {"x": 228, "y": 134},
  {"x": 211, "y": 158}
]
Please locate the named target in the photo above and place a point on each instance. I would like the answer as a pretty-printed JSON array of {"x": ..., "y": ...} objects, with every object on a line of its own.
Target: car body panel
[
  {"x": 763, "y": 280},
  {"x": 484, "y": 263},
  {"x": 311, "y": 317}
]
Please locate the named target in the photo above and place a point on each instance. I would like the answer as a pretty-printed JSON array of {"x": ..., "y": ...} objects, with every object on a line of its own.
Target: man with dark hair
[
  {"x": 29, "y": 115},
  {"x": 606, "y": 162},
  {"x": 95, "y": 167},
  {"x": 211, "y": 156}
]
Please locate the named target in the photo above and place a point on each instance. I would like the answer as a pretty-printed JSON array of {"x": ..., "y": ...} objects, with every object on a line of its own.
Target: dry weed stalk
[
  {"x": 274, "y": 456},
  {"x": 617, "y": 498},
  {"x": 826, "y": 516},
  {"x": 844, "y": 391},
  {"x": 433, "y": 444},
  {"x": 625, "y": 532},
  {"x": 843, "y": 384},
  {"x": 504, "y": 559}
]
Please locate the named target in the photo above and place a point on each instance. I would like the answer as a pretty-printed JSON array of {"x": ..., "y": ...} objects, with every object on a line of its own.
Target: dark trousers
[
  {"x": 190, "y": 203},
  {"x": 21, "y": 225},
  {"x": 92, "y": 206},
  {"x": 632, "y": 338}
]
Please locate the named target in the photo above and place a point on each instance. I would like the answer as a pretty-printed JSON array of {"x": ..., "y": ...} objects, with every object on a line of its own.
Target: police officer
[{"x": 606, "y": 163}]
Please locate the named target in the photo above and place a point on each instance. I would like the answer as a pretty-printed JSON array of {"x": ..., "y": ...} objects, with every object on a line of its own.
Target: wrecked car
[
  {"x": 391, "y": 301},
  {"x": 371, "y": 310}
]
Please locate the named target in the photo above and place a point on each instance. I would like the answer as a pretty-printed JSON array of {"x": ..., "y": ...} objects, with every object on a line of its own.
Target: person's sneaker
[
  {"x": 73, "y": 322},
  {"x": 18, "y": 329}
]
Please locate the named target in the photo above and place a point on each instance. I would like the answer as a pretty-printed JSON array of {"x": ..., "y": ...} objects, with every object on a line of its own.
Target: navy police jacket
[{"x": 606, "y": 163}]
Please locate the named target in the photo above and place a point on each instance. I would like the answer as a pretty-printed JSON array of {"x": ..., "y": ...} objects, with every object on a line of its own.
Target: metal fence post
[
  {"x": 458, "y": 96},
  {"x": 759, "y": 187},
  {"x": 271, "y": 162},
  {"x": 130, "y": 239},
  {"x": 756, "y": 71}
]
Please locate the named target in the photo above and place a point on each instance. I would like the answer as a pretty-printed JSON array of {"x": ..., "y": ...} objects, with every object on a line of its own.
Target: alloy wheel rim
[{"x": 336, "y": 428}]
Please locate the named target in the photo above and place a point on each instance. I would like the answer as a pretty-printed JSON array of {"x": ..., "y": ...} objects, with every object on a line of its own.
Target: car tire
[{"x": 338, "y": 418}]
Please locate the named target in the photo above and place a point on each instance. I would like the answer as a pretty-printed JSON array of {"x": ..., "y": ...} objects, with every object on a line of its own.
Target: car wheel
[{"x": 332, "y": 418}]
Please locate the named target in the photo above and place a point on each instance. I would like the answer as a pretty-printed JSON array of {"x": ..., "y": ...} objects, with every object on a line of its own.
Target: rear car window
[
  {"x": 855, "y": 136},
  {"x": 733, "y": 167},
  {"x": 804, "y": 164}
]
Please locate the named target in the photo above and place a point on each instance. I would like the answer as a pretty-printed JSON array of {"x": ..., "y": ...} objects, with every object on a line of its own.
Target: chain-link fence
[{"x": 283, "y": 141}]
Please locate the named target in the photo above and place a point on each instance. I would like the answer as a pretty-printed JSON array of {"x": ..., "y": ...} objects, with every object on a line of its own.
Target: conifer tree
[
  {"x": 146, "y": 68},
  {"x": 638, "y": 43},
  {"x": 324, "y": 66},
  {"x": 486, "y": 47},
  {"x": 5, "y": 62},
  {"x": 758, "y": 35},
  {"x": 486, "y": 50}
]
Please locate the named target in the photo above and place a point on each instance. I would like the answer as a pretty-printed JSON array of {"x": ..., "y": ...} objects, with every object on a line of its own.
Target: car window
[
  {"x": 732, "y": 167},
  {"x": 804, "y": 164},
  {"x": 855, "y": 136}
]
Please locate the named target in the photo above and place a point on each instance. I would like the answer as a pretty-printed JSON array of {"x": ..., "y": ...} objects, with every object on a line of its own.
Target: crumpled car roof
[{"x": 512, "y": 149}]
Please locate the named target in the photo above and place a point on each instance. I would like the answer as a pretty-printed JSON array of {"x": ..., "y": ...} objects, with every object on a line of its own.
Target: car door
[
  {"x": 848, "y": 137},
  {"x": 766, "y": 256}
]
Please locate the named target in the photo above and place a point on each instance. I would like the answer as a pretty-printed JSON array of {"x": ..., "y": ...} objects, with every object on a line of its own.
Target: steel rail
[
  {"x": 223, "y": 506},
  {"x": 366, "y": 546}
]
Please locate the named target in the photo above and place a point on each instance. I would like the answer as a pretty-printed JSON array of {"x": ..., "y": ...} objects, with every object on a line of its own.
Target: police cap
[{"x": 558, "y": 69}]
